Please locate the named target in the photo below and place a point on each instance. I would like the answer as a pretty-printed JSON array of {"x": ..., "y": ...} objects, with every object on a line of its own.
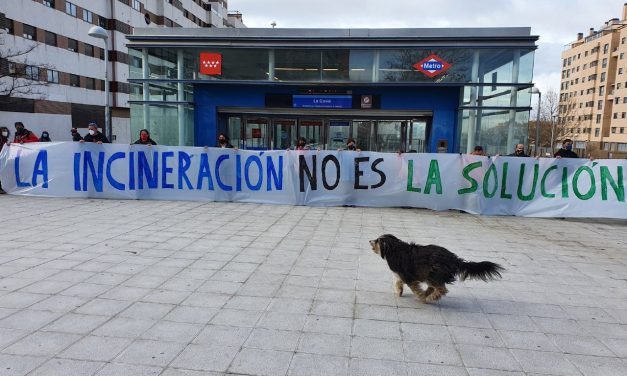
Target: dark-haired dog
[{"x": 413, "y": 264}]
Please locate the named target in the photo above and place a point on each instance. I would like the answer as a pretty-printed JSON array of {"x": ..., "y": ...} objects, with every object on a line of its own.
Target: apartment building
[
  {"x": 593, "y": 90},
  {"x": 59, "y": 82}
]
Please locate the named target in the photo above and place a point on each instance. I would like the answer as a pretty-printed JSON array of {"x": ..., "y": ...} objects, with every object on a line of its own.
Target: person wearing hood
[
  {"x": 567, "y": 150},
  {"x": 23, "y": 135},
  {"x": 45, "y": 137},
  {"x": 144, "y": 138},
  {"x": 95, "y": 135}
]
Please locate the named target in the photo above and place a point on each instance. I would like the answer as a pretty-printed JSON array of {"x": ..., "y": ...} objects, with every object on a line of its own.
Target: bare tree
[
  {"x": 559, "y": 119},
  {"x": 19, "y": 76}
]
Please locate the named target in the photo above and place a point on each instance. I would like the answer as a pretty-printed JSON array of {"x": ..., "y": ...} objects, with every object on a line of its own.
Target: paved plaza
[{"x": 106, "y": 287}]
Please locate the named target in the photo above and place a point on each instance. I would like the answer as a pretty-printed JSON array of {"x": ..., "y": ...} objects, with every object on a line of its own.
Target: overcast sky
[{"x": 556, "y": 22}]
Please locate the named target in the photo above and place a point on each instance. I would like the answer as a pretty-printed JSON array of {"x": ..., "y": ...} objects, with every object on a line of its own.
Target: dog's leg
[
  {"x": 429, "y": 290},
  {"x": 418, "y": 291},
  {"x": 398, "y": 285},
  {"x": 437, "y": 294}
]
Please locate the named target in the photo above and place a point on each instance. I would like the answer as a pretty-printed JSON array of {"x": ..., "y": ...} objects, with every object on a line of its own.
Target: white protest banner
[{"x": 481, "y": 185}]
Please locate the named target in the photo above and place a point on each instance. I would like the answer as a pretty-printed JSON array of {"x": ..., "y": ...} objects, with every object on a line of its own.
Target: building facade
[
  {"x": 593, "y": 90},
  {"x": 64, "y": 67},
  {"x": 422, "y": 90}
]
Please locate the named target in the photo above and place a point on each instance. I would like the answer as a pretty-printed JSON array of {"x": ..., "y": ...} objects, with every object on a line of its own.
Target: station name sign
[{"x": 322, "y": 101}]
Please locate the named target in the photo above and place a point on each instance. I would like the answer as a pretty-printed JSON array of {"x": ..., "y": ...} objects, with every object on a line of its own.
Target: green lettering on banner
[
  {"x": 504, "y": 193},
  {"x": 410, "y": 177},
  {"x": 434, "y": 178},
  {"x": 466, "y": 174},
  {"x": 593, "y": 187},
  {"x": 491, "y": 172},
  {"x": 617, "y": 185},
  {"x": 521, "y": 178},
  {"x": 565, "y": 182},
  {"x": 543, "y": 183}
]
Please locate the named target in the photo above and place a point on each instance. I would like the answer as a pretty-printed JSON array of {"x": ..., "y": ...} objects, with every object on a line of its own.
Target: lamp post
[
  {"x": 100, "y": 33},
  {"x": 553, "y": 132},
  {"x": 535, "y": 90}
]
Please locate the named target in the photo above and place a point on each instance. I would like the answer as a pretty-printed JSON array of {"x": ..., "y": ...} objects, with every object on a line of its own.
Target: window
[
  {"x": 32, "y": 72},
  {"x": 75, "y": 80},
  {"x": 90, "y": 83},
  {"x": 615, "y": 115},
  {"x": 30, "y": 32},
  {"x": 9, "y": 27},
  {"x": 102, "y": 22},
  {"x": 51, "y": 38},
  {"x": 53, "y": 76},
  {"x": 70, "y": 9},
  {"x": 597, "y": 132},
  {"x": 622, "y": 130},
  {"x": 600, "y": 105},
  {"x": 624, "y": 99},
  {"x": 137, "y": 4},
  {"x": 623, "y": 115},
  {"x": 598, "y": 118},
  {"x": 72, "y": 45},
  {"x": 48, "y": 3},
  {"x": 606, "y": 48},
  {"x": 604, "y": 63},
  {"x": 621, "y": 56},
  {"x": 89, "y": 50},
  {"x": 601, "y": 90},
  {"x": 602, "y": 77},
  {"x": 585, "y": 54},
  {"x": 618, "y": 85},
  {"x": 87, "y": 16},
  {"x": 620, "y": 70},
  {"x": 616, "y": 100}
]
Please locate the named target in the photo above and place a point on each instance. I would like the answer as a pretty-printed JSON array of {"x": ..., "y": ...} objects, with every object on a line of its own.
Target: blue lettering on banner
[
  {"x": 204, "y": 173},
  {"x": 184, "y": 162},
  {"x": 88, "y": 166},
  {"x": 257, "y": 161},
  {"x": 272, "y": 173},
  {"x": 165, "y": 170},
  {"x": 143, "y": 170},
  {"x": 114, "y": 183},
  {"x": 222, "y": 186},
  {"x": 19, "y": 181}
]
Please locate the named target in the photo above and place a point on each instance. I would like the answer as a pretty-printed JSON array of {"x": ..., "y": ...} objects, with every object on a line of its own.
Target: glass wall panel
[
  {"x": 242, "y": 64},
  {"x": 493, "y": 130},
  {"x": 497, "y": 96},
  {"x": 362, "y": 133},
  {"x": 312, "y": 130},
  {"x": 135, "y": 63},
  {"x": 163, "y": 91},
  {"x": 339, "y": 132},
  {"x": 284, "y": 133},
  {"x": 389, "y": 136},
  {"x": 335, "y": 65},
  {"x": 256, "y": 134},
  {"x": 297, "y": 65},
  {"x": 162, "y": 63},
  {"x": 360, "y": 65},
  {"x": 163, "y": 123},
  {"x": 397, "y": 65},
  {"x": 525, "y": 70},
  {"x": 496, "y": 66},
  {"x": 234, "y": 131}
]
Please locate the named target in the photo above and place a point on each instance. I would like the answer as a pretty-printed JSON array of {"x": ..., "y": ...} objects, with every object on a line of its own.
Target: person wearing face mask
[
  {"x": 144, "y": 138},
  {"x": 95, "y": 135},
  {"x": 23, "y": 135},
  {"x": 351, "y": 145},
  {"x": 45, "y": 137},
  {"x": 223, "y": 142},
  {"x": 519, "y": 152},
  {"x": 300, "y": 144},
  {"x": 567, "y": 150},
  {"x": 4, "y": 139},
  {"x": 76, "y": 137}
]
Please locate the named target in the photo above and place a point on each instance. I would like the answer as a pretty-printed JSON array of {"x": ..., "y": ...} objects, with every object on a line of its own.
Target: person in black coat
[
  {"x": 519, "y": 152},
  {"x": 76, "y": 137},
  {"x": 144, "y": 138},
  {"x": 45, "y": 137},
  {"x": 4, "y": 139},
  {"x": 95, "y": 135},
  {"x": 223, "y": 141},
  {"x": 567, "y": 150}
]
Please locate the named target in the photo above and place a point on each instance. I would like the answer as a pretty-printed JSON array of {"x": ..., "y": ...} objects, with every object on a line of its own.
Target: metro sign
[
  {"x": 210, "y": 63},
  {"x": 432, "y": 65}
]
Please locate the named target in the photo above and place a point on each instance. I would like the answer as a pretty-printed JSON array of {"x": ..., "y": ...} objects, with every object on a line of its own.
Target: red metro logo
[
  {"x": 432, "y": 65},
  {"x": 210, "y": 63}
]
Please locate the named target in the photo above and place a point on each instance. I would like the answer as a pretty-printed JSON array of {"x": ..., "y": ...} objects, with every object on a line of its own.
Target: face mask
[
  {"x": 143, "y": 136},
  {"x": 5, "y": 134},
  {"x": 351, "y": 147},
  {"x": 222, "y": 141},
  {"x": 19, "y": 130},
  {"x": 569, "y": 147},
  {"x": 44, "y": 135},
  {"x": 92, "y": 132}
]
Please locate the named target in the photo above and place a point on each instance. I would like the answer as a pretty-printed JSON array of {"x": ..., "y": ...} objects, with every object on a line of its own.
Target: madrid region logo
[
  {"x": 432, "y": 65},
  {"x": 210, "y": 63}
]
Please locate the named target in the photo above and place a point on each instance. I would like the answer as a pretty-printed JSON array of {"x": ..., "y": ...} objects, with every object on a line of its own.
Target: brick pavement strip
[{"x": 106, "y": 287}]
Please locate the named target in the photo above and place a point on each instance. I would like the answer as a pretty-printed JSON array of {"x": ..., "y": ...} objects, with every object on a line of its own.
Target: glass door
[
  {"x": 234, "y": 131},
  {"x": 312, "y": 131},
  {"x": 284, "y": 132},
  {"x": 256, "y": 134},
  {"x": 389, "y": 136},
  {"x": 339, "y": 132},
  {"x": 416, "y": 136},
  {"x": 361, "y": 132}
]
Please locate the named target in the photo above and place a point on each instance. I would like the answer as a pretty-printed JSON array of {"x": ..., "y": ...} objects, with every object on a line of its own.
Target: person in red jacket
[{"x": 23, "y": 135}]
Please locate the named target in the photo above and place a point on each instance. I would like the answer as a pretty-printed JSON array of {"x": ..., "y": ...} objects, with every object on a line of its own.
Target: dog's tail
[{"x": 484, "y": 270}]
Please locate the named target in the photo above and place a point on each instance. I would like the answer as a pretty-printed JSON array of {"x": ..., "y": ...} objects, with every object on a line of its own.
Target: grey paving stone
[
  {"x": 528, "y": 341},
  {"x": 476, "y": 336},
  {"x": 19, "y": 365},
  {"x": 432, "y": 353},
  {"x": 328, "y": 325},
  {"x": 544, "y": 362},
  {"x": 65, "y": 367},
  {"x": 261, "y": 362},
  {"x": 8, "y": 336},
  {"x": 318, "y": 365},
  {"x": 41, "y": 344},
  {"x": 324, "y": 344},
  {"x": 283, "y": 320},
  {"x": 76, "y": 323},
  {"x": 147, "y": 311},
  {"x": 418, "y": 369},
  {"x": 95, "y": 348},
  {"x": 223, "y": 335},
  {"x": 107, "y": 307},
  {"x": 116, "y": 369},
  {"x": 488, "y": 357},
  {"x": 580, "y": 345},
  {"x": 378, "y": 329},
  {"x": 172, "y": 331},
  {"x": 598, "y": 366},
  {"x": 272, "y": 339},
  {"x": 377, "y": 348},
  {"x": 420, "y": 332},
  {"x": 373, "y": 367},
  {"x": 124, "y": 327},
  {"x": 513, "y": 322},
  {"x": 151, "y": 353},
  {"x": 492, "y": 372},
  {"x": 193, "y": 315}
]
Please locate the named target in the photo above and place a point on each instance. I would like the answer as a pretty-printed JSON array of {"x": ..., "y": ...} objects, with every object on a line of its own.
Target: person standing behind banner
[
  {"x": 95, "y": 135},
  {"x": 23, "y": 135},
  {"x": 566, "y": 151},
  {"x": 76, "y": 137},
  {"x": 223, "y": 142},
  {"x": 519, "y": 152},
  {"x": 144, "y": 138},
  {"x": 45, "y": 137},
  {"x": 351, "y": 145},
  {"x": 4, "y": 139},
  {"x": 478, "y": 151}
]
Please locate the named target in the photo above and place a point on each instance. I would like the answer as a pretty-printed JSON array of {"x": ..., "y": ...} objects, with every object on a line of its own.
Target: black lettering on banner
[
  {"x": 381, "y": 174},
  {"x": 359, "y": 172},
  {"x": 311, "y": 176},
  {"x": 326, "y": 160}
]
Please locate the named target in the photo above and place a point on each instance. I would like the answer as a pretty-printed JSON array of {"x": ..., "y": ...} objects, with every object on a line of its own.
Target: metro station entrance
[{"x": 328, "y": 132}]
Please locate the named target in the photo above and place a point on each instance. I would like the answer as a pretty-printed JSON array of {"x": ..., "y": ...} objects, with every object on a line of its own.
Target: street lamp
[
  {"x": 553, "y": 132},
  {"x": 100, "y": 33},
  {"x": 535, "y": 90}
]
